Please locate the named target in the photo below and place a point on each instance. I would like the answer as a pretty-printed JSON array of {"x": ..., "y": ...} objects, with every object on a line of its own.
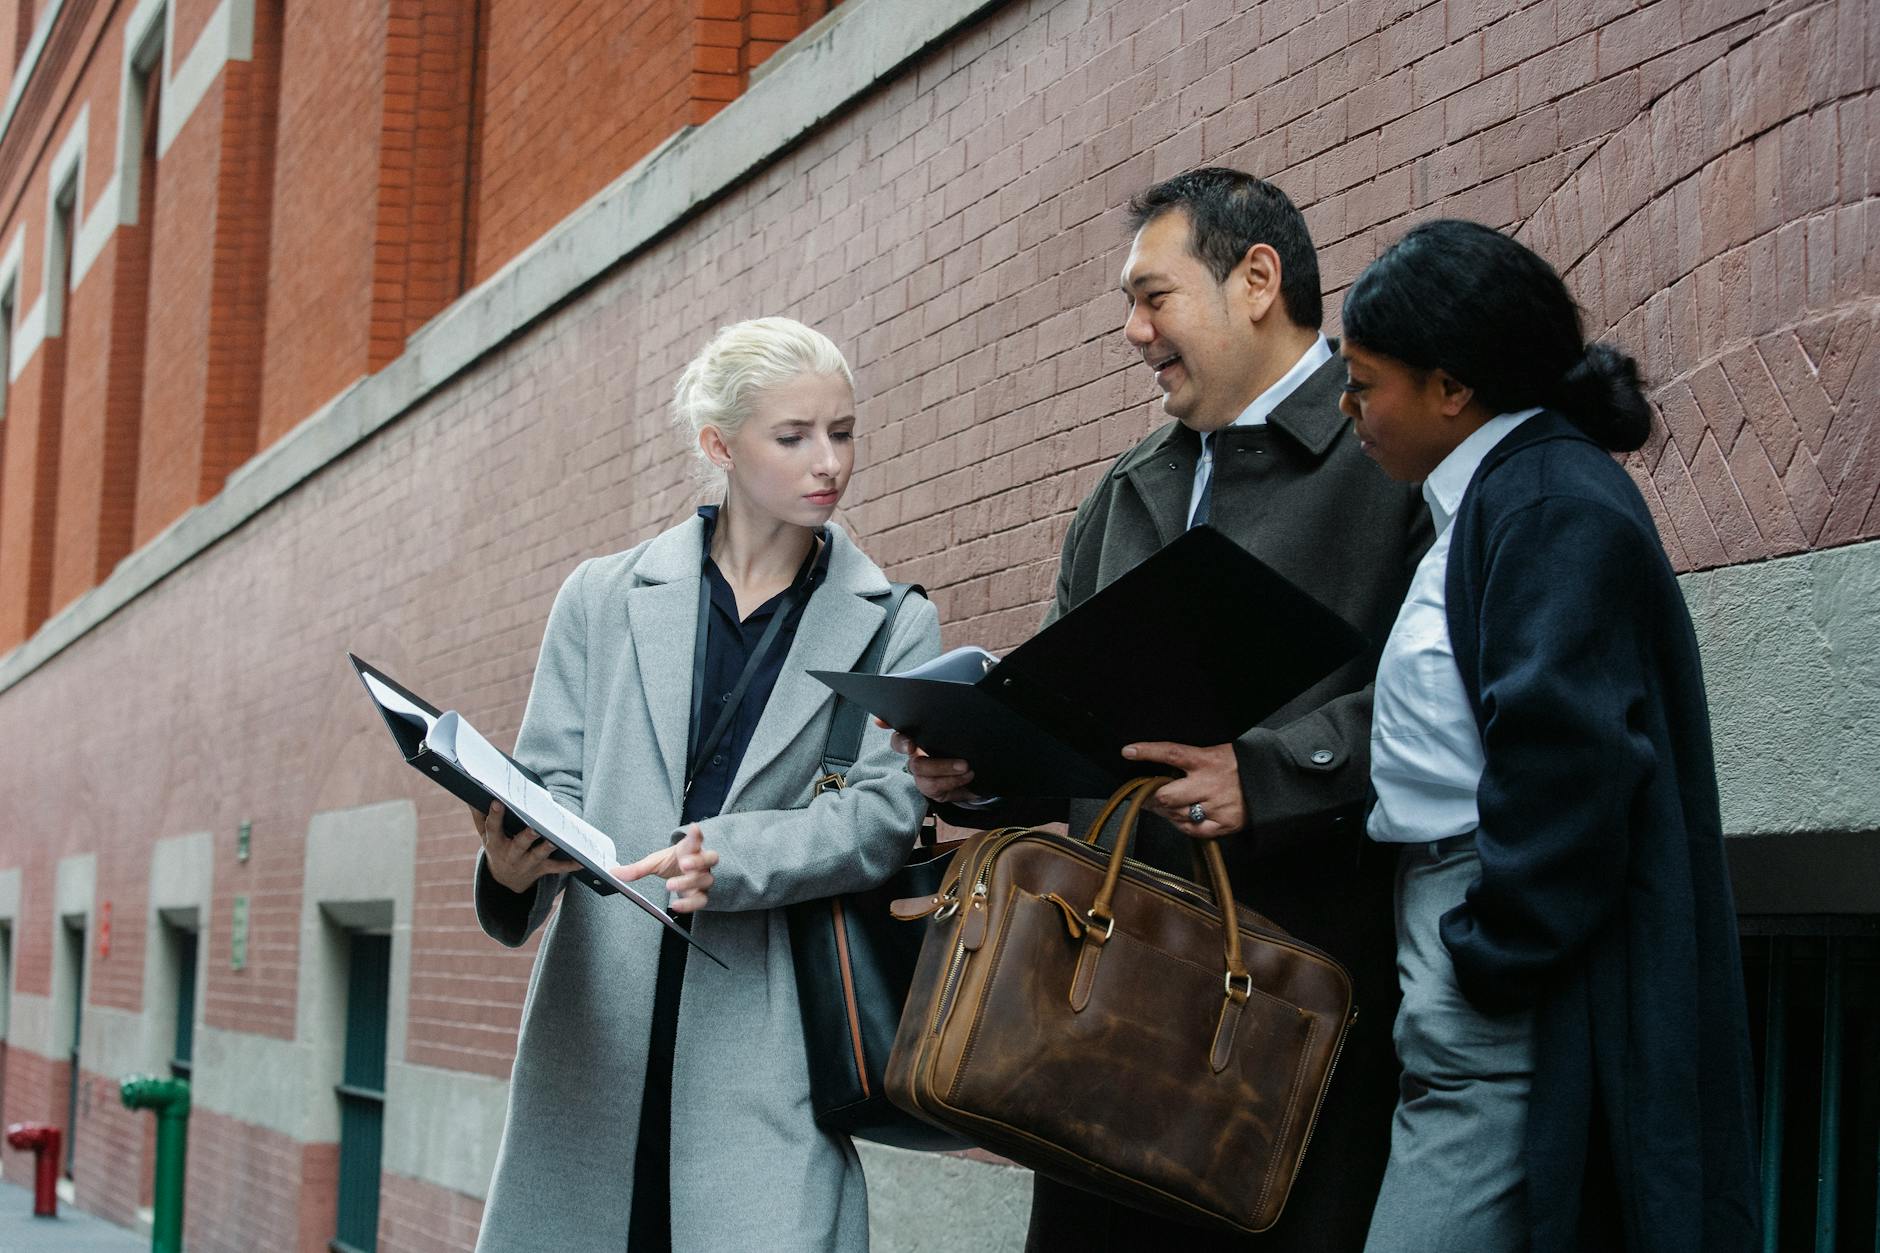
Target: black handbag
[{"x": 854, "y": 962}]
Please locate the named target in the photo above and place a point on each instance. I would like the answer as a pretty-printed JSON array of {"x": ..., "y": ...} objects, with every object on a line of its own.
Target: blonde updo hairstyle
[{"x": 720, "y": 387}]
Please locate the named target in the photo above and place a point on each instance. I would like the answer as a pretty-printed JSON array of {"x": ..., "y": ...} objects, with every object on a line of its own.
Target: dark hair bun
[{"x": 1602, "y": 393}]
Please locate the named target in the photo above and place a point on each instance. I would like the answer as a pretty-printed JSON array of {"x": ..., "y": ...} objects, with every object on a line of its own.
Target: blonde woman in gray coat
[{"x": 659, "y": 1102}]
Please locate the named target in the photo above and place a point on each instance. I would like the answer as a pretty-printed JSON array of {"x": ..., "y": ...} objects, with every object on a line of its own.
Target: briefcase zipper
[
  {"x": 1350, "y": 1021},
  {"x": 957, "y": 964}
]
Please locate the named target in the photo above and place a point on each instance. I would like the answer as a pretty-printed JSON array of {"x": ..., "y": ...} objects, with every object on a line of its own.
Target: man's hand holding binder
[
  {"x": 1157, "y": 673},
  {"x": 1210, "y": 783}
]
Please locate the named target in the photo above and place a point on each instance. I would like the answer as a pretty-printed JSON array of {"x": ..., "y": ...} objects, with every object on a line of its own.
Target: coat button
[{"x": 1323, "y": 757}]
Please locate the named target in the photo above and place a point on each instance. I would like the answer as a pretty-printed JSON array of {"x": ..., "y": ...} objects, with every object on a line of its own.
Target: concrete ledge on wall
[
  {"x": 930, "y": 1202},
  {"x": 825, "y": 69},
  {"x": 443, "y": 1126},
  {"x": 1792, "y": 661}
]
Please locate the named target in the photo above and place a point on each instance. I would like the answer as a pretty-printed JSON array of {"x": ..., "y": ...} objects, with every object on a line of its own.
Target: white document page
[
  {"x": 967, "y": 664},
  {"x": 459, "y": 743},
  {"x": 464, "y": 746},
  {"x": 392, "y": 702}
]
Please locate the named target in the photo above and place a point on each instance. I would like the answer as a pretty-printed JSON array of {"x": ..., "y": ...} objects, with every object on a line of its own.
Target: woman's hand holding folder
[{"x": 516, "y": 861}]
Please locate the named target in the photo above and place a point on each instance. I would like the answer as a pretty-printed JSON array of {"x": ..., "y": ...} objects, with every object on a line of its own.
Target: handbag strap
[{"x": 845, "y": 728}]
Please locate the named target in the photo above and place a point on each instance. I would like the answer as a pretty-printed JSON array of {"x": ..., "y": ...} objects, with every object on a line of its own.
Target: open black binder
[
  {"x": 1195, "y": 645},
  {"x": 411, "y": 728}
]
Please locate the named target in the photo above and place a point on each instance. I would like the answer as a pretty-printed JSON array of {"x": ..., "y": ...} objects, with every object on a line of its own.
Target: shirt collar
[
  {"x": 1450, "y": 479},
  {"x": 1273, "y": 397}
]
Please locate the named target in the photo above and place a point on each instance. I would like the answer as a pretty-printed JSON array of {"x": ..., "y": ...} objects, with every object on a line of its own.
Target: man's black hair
[{"x": 1228, "y": 213}]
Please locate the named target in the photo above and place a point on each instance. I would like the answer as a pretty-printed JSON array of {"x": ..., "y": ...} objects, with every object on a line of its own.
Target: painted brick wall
[
  {"x": 108, "y": 1175},
  {"x": 1703, "y": 170},
  {"x": 253, "y": 1189},
  {"x": 422, "y": 1218},
  {"x": 34, "y": 1092}
]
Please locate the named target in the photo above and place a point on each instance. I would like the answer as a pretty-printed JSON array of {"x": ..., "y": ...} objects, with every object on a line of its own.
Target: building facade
[{"x": 351, "y": 326}]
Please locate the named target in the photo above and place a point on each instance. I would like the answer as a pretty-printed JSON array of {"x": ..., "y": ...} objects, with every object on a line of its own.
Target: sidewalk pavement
[{"x": 73, "y": 1231}]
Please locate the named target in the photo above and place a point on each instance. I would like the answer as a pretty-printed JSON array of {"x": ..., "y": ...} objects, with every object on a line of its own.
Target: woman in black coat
[{"x": 1589, "y": 929}]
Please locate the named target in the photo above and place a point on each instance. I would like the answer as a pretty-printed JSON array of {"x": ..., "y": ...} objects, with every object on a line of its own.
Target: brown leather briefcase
[{"x": 1090, "y": 1017}]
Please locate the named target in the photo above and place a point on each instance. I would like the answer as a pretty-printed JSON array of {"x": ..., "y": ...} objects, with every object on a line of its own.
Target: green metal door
[
  {"x": 183, "y": 1049},
  {"x": 75, "y": 942},
  {"x": 1814, "y": 999},
  {"x": 362, "y": 1093}
]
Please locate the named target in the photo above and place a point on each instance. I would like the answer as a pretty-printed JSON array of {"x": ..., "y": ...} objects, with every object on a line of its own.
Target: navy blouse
[{"x": 729, "y": 643}]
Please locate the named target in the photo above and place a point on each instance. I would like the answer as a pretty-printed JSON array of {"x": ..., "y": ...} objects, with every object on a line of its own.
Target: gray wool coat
[{"x": 606, "y": 727}]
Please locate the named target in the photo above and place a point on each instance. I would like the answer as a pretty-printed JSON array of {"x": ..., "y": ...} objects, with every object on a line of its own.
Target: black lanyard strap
[
  {"x": 737, "y": 693},
  {"x": 702, "y": 749}
]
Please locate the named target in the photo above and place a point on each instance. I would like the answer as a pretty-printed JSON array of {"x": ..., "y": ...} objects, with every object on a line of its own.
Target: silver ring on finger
[{"x": 1196, "y": 814}]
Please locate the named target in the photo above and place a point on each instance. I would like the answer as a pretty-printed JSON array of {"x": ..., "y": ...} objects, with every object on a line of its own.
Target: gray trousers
[{"x": 1455, "y": 1180}]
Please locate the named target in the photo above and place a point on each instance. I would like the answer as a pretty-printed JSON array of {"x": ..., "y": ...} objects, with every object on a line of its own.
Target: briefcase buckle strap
[{"x": 1237, "y": 984}]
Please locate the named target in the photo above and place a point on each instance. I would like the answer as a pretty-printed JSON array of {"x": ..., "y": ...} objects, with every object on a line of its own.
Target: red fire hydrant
[{"x": 43, "y": 1140}]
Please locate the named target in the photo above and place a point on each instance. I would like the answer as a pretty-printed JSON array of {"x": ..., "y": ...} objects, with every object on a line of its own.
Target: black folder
[
  {"x": 409, "y": 732},
  {"x": 1195, "y": 645}
]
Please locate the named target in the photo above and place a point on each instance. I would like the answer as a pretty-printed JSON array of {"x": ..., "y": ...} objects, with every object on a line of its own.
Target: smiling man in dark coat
[{"x": 1224, "y": 308}]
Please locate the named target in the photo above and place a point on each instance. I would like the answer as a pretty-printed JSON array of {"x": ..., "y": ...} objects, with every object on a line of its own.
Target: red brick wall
[
  {"x": 420, "y": 258},
  {"x": 176, "y": 374},
  {"x": 238, "y": 293},
  {"x": 187, "y": 25},
  {"x": 98, "y": 443},
  {"x": 326, "y": 182},
  {"x": 733, "y": 37},
  {"x": 562, "y": 117},
  {"x": 13, "y": 36},
  {"x": 32, "y": 466},
  {"x": 97, "y": 453}
]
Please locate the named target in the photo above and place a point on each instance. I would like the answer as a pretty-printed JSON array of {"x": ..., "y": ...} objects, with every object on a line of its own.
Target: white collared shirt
[
  {"x": 1256, "y": 413},
  {"x": 1426, "y": 753}
]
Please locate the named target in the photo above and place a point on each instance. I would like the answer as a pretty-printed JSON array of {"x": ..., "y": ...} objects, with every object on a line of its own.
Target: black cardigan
[{"x": 1604, "y": 899}]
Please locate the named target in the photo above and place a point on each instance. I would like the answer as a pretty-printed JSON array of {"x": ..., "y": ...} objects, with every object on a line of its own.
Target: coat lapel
[
  {"x": 837, "y": 624},
  {"x": 1162, "y": 471},
  {"x": 1311, "y": 414},
  {"x": 662, "y": 616}
]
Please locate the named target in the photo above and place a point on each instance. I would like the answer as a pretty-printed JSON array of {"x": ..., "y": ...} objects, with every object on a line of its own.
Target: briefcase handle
[{"x": 1237, "y": 984}]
